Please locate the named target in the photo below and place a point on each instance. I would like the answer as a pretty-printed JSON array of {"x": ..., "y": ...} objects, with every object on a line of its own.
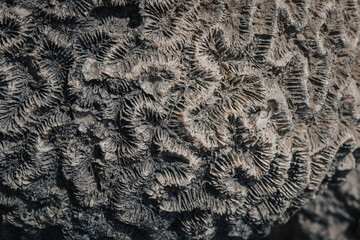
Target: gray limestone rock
[{"x": 173, "y": 119}]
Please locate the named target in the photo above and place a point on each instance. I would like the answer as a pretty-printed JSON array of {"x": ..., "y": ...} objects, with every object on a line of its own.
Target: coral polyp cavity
[{"x": 164, "y": 119}]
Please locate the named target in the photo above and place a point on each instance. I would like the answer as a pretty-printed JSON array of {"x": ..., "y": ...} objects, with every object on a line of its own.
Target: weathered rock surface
[
  {"x": 173, "y": 119},
  {"x": 333, "y": 215}
]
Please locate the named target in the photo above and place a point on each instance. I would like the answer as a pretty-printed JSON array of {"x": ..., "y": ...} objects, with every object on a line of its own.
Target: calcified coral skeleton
[{"x": 162, "y": 119}]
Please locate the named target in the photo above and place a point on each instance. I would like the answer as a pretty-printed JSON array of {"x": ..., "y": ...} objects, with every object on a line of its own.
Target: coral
[
  {"x": 173, "y": 119},
  {"x": 54, "y": 56},
  {"x": 333, "y": 215},
  {"x": 65, "y": 10},
  {"x": 14, "y": 32}
]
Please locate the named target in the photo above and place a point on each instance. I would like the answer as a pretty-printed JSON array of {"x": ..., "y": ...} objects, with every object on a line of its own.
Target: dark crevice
[{"x": 130, "y": 11}]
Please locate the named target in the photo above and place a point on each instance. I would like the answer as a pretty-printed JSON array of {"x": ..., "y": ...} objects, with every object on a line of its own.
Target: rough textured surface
[
  {"x": 173, "y": 119},
  {"x": 334, "y": 215}
]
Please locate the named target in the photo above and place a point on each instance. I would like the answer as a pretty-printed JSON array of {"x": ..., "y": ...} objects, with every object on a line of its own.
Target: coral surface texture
[{"x": 173, "y": 119}]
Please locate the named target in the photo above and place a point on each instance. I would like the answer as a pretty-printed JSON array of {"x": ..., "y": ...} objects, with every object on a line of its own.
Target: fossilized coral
[{"x": 187, "y": 119}]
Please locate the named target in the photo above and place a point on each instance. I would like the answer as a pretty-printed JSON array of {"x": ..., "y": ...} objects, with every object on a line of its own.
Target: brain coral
[{"x": 173, "y": 119}]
